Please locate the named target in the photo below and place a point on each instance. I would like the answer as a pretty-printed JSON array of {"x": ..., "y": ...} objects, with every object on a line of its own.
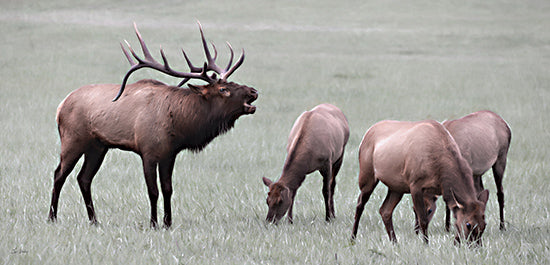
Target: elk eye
[
  {"x": 224, "y": 90},
  {"x": 430, "y": 211},
  {"x": 468, "y": 225}
]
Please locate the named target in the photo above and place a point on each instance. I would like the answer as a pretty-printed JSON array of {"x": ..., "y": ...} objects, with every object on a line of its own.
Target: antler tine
[
  {"x": 211, "y": 61},
  {"x": 134, "y": 66},
  {"x": 164, "y": 60},
  {"x": 215, "y": 51},
  {"x": 204, "y": 44},
  {"x": 184, "y": 81},
  {"x": 130, "y": 60},
  {"x": 230, "y": 58},
  {"x": 149, "y": 61},
  {"x": 191, "y": 66},
  {"x": 226, "y": 74},
  {"x": 146, "y": 52}
]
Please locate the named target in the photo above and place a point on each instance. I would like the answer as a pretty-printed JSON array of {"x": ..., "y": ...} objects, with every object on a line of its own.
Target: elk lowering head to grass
[
  {"x": 483, "y": 138},
  {"x": 316, "y": 142},
  {"x": 423, "y": 159},
  {"x": 150, "y": 118}
]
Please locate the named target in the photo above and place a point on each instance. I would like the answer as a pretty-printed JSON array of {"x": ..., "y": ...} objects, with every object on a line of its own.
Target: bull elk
[
  {"x": 420, "y": 158},
  {"x": 152, "y": 119},
  {"x": 483, "y": 138},
  {"x": 316, "y": 142}
]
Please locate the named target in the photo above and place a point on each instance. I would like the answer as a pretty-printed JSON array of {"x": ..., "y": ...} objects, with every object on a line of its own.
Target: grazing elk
[
  {"x": 316, "y": 142},
  {"x": 420, "y": 158},
  {"x": 152, "y": 119},
  {"x": 483, "y": 138}
]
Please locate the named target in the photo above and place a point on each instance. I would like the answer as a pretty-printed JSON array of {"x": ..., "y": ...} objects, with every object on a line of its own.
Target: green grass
[{"x": 375, "y": 60}]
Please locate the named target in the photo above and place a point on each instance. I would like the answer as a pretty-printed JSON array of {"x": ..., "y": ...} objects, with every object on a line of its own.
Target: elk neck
[
  {"x": 292, "y": 179},
  {"x": 294, "y": 171},
  {"x": 457, "y": 178},
  {"x": 194, "y": 121}
]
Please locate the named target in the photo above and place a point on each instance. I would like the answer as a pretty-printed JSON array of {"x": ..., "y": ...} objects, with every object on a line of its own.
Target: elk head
[
  {"x": 278, "y": 200},
  {"x": 470, "y": 218},
  {"x": 218, "y": 90}
]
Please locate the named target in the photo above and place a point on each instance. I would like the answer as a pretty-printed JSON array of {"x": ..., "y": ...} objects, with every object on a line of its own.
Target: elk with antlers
[{"x": 150, "y": 118}]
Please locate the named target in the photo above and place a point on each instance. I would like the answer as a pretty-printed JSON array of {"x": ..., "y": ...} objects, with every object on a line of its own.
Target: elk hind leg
[
  {"x": 498, "y": 173},
  {"x": 386, "y": 211},
  {"x": 93, "y": 158},
  {"x": 335, "y": 169},
  {"x": 150, "y": 173},
  {"x": 166, "y": 168},
  {"x": 68, "y": 160},
  {"x": 328, "y": 178},
  {"x": 367, "y": 183}
]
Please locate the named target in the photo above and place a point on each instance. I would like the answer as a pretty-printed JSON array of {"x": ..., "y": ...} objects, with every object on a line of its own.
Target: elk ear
[
  {"x": 454, "y": 202},
  {"x": 483, "y": 196},
  {"x": 267, "y": 181},
  {"x": 197, "y": 89},
  {"x": 286, "y": 193}
]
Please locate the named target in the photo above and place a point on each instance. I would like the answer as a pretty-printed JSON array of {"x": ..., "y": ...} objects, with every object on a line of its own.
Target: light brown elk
[
  {"x": 483, "y": 138},
  {"x": 420, "y": 158},
  {"x": 152, "y": 119},
  {"x": 316, "y": 142}
]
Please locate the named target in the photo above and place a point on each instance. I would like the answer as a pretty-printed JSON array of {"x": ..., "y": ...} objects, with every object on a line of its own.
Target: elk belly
[{"x": 390, "y": 172}]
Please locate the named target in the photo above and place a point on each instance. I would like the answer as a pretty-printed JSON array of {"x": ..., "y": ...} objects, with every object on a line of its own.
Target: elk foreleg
[
  {"x": 166, "y": 168},
  {"x": 386, "y": 211},
  {"x": 447, "y": 218},
  {"x": 289, "y": 214},
  {"x": 150, "y": 172},
  {"x": 430, "y": 203},
  {"x": 92, "y": 161},
  {"x": 420, "y": 210}
]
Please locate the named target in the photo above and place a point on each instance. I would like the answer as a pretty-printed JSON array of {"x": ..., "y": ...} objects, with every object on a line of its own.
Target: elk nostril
[{"x": 253, "y": 94}]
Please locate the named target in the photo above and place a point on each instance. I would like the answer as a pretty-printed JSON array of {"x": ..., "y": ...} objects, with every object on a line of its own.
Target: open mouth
[{"x": 248, "y": 107}]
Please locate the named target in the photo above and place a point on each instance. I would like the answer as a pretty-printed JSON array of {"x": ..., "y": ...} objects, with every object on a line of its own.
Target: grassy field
[{"x": 406, "y": 60}]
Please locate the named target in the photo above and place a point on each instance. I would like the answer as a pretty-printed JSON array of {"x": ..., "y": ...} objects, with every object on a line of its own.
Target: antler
[
  {"x": 212, "y": 66},
  {"x": 195, "y": 72}
]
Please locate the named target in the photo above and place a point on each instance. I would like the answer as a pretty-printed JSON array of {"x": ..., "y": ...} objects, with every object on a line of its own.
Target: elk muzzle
[{"x": 251, "y": 97}]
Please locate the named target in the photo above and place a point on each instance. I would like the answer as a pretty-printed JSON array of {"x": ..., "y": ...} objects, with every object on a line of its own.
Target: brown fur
[
  {"x": 316, "y": 142},
  {"x": 420, "y": 158},
  {"x": 151, "y": 119},
  {"x": 483, "y": 138}
]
